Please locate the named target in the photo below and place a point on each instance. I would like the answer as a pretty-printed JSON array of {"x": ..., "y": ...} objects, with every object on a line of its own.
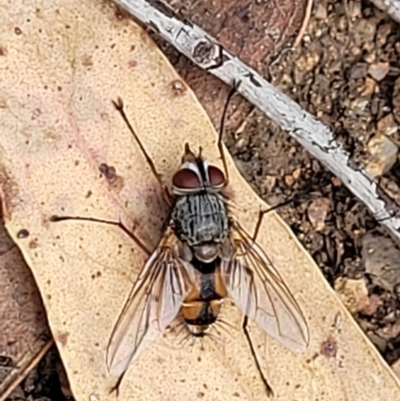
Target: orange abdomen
[{"x": 203, "y": 304}]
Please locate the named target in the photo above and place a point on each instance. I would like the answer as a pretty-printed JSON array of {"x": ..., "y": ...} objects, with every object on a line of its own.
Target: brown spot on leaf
[
  {"x": 115, "y": 181},
  {"x": 108, "y": 171},
  {"x": 178, "y": 87},
  {"x": 132, "y": 63},
  {"x": 329, "y": 348},
  {"x": 17, "y": 31},
  {"x": 23, "y": 233},
  {"x": 62, "y": 338},
  {"x": 121, "y": 14},
  {"x": 33, "y": 244},
  {"x": 87, "y": 61}
]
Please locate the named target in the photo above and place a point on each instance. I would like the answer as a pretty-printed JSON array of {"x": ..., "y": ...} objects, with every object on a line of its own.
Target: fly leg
[
  {"x": 245, "y": 320},
  {"x": 118, "y": 224},
  {"x": 119, "y": 105},
  {"x": 261, "y": 214},
  {"x": 135, "y": 239},
  {"x": 222, "y": 127},
  {"x": 268, "y": 387}
]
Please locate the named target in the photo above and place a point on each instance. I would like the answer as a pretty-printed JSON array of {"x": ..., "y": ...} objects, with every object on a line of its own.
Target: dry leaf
[{"x": 63, "y": 62}]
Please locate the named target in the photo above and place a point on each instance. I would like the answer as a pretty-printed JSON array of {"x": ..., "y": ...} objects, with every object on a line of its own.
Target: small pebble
[
  {"x": 382, "y": 155},
  {"x": 378, "y": 71},
  {"x": 321, "y": 13}
]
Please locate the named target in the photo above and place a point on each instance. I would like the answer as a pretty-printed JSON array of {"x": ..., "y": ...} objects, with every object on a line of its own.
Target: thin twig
[
  {"x": 26, "y": 370},
  {"x": 314, "y": 136}
]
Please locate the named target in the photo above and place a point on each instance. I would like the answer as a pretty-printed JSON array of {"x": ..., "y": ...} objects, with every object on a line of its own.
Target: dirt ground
[{"x": 346, "y": 71}]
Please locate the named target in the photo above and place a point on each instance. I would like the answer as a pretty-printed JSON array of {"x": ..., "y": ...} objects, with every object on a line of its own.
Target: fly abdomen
[
  {"x": 200, "y": 218},
  {"x": 202, "y": 306},
  {"x": 200, "y": 315}
]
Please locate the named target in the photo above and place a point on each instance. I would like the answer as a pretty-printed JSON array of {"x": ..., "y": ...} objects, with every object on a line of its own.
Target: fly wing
[
  {"x": 153, "y": 304},
  {"x": 256, "y": 287}
]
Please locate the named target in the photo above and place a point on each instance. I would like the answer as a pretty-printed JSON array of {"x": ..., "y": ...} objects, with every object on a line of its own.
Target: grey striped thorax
[{"x": 200, "y": 218}]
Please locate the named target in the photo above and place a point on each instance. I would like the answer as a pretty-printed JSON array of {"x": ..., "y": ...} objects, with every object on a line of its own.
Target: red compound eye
[
  {"x": 216, "y": 176},
  {"x": 186, "y": 179}
]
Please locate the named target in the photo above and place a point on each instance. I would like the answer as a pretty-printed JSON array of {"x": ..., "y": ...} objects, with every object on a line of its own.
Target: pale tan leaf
[{"x": 60, "y": 70}]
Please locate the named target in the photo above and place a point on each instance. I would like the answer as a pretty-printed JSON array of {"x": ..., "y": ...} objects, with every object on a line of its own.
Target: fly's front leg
[
  {"x": 222, "y": 128},
  {"x": 119, "y": 105}
]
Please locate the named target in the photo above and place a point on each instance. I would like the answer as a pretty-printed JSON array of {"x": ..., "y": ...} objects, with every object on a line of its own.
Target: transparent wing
[
  {"x": 153, "y": 304},
  {"x": 256, "y": 287}
]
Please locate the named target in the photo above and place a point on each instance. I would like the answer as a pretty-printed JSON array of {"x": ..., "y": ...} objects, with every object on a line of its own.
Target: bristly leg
[
  {"x": 119, "y": 224},
  {"x": 119, "y": 105},
  {"x": 233, "y": 90},
  {"x": 268, "y": 387},
  {"x": 261, "y": 214},
  {"x": 295, "y": 198},
  {"x": 245, "y": 319}
]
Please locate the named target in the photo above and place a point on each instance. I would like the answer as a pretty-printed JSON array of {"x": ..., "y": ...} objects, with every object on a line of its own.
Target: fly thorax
[{"x": 200, "y": 218}]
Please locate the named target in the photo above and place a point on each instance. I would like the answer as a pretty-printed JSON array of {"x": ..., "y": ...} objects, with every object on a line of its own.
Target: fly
[{"x": 203, "y": 257}]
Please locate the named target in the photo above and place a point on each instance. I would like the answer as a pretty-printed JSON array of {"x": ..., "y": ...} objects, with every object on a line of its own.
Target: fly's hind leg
[
  {"x": 268, "y": 387},
  {"x": 119, "y": 105}
]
